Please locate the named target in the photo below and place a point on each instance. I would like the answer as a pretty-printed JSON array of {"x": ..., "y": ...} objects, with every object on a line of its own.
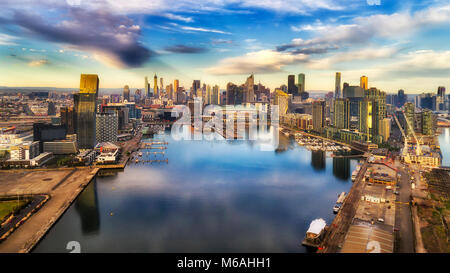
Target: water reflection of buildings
[
  {"x": 318, "y": 160},
  {"x": 341, "y": 167},
  {"x": 87, "y": 207}
]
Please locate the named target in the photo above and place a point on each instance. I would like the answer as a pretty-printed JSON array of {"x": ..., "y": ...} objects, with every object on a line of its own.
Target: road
[{"x": 403, "y": 220}]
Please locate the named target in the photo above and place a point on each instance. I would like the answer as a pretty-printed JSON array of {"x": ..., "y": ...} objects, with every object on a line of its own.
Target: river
[{"x": 221, "y": 196}]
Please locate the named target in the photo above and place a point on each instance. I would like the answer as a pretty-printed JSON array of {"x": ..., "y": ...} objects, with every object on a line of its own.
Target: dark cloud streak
[
  {"x": 185, "y": 49},
  {"x": 97, "y": 31}
]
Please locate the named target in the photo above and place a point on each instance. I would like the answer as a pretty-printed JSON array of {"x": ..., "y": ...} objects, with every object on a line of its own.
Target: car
[
  {"x": 381, "y": 220},
  {"x": 396, "y": 193}
]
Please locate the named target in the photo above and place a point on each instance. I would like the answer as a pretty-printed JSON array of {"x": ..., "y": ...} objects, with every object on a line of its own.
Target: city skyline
[{"x": 396, "y": 45}]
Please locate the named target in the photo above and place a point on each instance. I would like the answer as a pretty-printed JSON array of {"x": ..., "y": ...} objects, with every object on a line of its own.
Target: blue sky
[{"x": 397, "y": 44}]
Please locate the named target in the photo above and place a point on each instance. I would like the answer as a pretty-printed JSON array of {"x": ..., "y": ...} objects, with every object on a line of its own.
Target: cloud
[
  {"x": 36, "y": 63},
  {"x": 353, "y": 55},
  {"x": 113, "y": 37},
  {"x": 364, "y": 29},
  {"x": 221, "y": 41},
  {"x": 263, "y": 61},
  {"x": 421, "y": 63},
  {"x": 179, "y": 17},
  {"x": 201, "y": 29},
  {"x": 185, "y": 49},
  {"x": 6, "y": 39}
]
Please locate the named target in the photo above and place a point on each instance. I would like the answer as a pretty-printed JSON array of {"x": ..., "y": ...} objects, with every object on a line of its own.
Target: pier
[{"x": 338, "y": 229}]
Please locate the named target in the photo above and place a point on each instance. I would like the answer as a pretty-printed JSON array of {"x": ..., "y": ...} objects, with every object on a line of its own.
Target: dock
[
  {"x": 62, "y": 185},
  {"x": 337, "y": 231}
]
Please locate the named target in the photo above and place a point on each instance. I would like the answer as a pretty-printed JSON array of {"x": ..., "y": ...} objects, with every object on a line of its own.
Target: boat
[
  {"x": 354, "y": 174},
  {"x": 336, "y": 208},
  {"x": 314, "y": 234},
  {"x": 341, "y": 198}
]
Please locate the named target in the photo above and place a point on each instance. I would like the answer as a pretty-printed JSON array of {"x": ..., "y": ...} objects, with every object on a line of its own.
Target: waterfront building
[
  {"x": 107, "y": 127},
  {"x": 318, "y": 113},
  {"x": 282, "y": 100},
  {"x": 365, "y": 118},
  {"x": 341, "y": 113},
  {"x": 378, "y": 111},
  {"x": 85, "y": 104},
  {"x": 250, "y": 89}
]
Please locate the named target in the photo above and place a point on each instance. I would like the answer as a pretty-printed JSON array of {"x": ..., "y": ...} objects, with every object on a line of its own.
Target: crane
[
  {"x": 418, "y": 149},
  {"x": 405, "y": 146}
]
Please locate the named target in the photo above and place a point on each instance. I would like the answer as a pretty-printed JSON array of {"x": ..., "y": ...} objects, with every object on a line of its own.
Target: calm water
[
  {"x": 444, "y": 141},
  {"x": 210, "y": 197}
]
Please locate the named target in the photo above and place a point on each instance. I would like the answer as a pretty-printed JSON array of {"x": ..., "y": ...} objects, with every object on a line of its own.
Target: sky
[{"x": 396, "y": 44}]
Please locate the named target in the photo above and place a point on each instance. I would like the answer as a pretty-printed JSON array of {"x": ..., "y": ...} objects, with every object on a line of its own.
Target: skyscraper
[
  {"x": 195, "y": 86},
  {"x": 337, "y": 88},
  {"x": 147, "y": 87},
  {"x": 155, "y": 86},
  {"x": 68, "y": 119},
  {"x": 365, "y": 118},
  {"x": 215, "y": 98},
  {"x": 342, "y": 113},
  {"x": 292, "y": 89},
  {"x": 250, "y": 89},
  {"x": 401, "y": 98},
  {"x": 161, "y": 86},
  {"x": 378, "y": 112},
  {"x": 318, "y": 113},
  {"x": 176, "y": 85},
  {"x": 301, "y": 84},
  {"x": 282, "y": 100},
  {"x": 85, "y": 103},
  {"x": 126, "y": 93},
  {"x": 364, "y": 82}
]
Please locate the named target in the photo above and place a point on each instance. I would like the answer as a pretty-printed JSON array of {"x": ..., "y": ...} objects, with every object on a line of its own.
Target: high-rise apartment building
[
  {"x": 318, "y": 113},
  {"x": 342, "y": 113},
  {"x": 337, "y": 86},
  {"x": 85, "y": 104},
  {"x": 291, "y": 88},
  {"x": 250, "y": 89},
  {"x": 282, "y": 100},
  {"x": 176, "y": 85},
  {"x": 365, "y": 118},
  {"x": 68, "y": 119},
  {"x": 107, "y": 126},
  {"x": 215, "y": 97},
  {"x": 301, "y": 83}
]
